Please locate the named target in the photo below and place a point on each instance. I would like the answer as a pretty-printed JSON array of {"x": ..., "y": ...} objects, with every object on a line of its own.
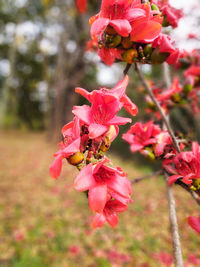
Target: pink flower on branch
[
  {"x": 70, "y": 145},
  {"x": 103, "y": 182}
]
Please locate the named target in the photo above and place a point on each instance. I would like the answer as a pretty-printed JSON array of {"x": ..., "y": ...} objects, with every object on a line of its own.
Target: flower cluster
[
  {"x": 176, "y": 95},
  {"x": 85, "y": 140},
  {"x": 149, "y": 139},
  {"x": 130, "y": 31},
  {"x": 171, "y": 15}
]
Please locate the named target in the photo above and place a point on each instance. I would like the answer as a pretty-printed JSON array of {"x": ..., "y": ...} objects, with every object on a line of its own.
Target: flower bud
[
  {"x": 115, "y": 41},
  {"x": 165, "y": 22},
  {"x": 130, "y": 55},
  {"x": 151, "y": 105},
  {"x": 195, "y": 184},
  {"x": 148, "y": 50},
  {"x": 76, "y": 158},
  {"x": 154, "y": 7},
  {"x": 187, "y": 88},
  {"x": 127, "y": 43},
  {"x": 176, "y": 98},
  {"x": 147, "y": 152},
  {"x": 158, "y": 58},
  {"x": 105, "y": 145}
]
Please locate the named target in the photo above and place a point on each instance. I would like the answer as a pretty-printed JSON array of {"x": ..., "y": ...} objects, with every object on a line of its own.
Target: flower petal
[
  {"x": 83, "y": 113},
  {"x": 98, "y": 220},
  {"x": 96, "y": 130},
  {"x": 56, "y": 167},
  {"x": 194, "y": 222},
  {"x": 97, "y": 197},
  {"x": 85, "y": 179},
  {"x": 172, "y": 179},
  {"x": 99, "y": 26},
  {"x": 122, "y": 26},
  {"x": 119, "y": 121}
]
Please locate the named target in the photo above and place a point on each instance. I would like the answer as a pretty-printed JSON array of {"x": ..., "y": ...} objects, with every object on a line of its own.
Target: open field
[{"x": 45, "y": 222}]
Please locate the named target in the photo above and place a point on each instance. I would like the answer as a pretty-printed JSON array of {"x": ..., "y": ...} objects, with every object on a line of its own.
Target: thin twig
[
  {"x": 151, "y": 175},
  {"x": 127, "y": 69},
  {"x": 174, "y": 226},
  {"x": 165, "y": 120}
]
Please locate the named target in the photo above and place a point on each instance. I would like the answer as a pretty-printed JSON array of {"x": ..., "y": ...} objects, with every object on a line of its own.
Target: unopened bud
[
  {"x": 158, "y": 58},
  {"x": 130, "y": 55},
  {"x": 148, "y": 50},
  {"x": 151, "y": 105},
  {"x": 147, "y": 152},
  {"x": 126, "y": 42},
  {"x": 176, "y": 97},
  {"x": 115, "y": 41},
  {"x": 187, "y": 88},
  {"x": 76, "y": 158},
  {"x": 154, "y": 7},
  {"x": 165, "y": 22},
  {"x": 195, "y": 184}
]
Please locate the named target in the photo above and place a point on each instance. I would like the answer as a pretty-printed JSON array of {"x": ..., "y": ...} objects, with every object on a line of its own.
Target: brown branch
[
  {"x": 174, "y": 226},
  {"x": 127, "y": 69},
  {"x": 151, "y": 175},
  {"x": 164, "y": 117}
]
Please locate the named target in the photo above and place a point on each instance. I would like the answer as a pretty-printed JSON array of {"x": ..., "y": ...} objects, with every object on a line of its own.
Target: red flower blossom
[
  {"x": 141, "y": 135},
  {"x": 194, "y": 222},
  {"x": 186, "y": 166},
  {"x": 118, "y": 14},
  {"x": 165, "y": 45},
  {"x": 71, "y": 144},
  {"x": 118, "y": 92},
  {"x": 102, "y": 181},
  {"x": 109, "y": 214},
  {"x": 147, "y": 28}
]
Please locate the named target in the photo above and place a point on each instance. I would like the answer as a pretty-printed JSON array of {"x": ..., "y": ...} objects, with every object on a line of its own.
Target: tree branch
[
  {"x": 151, "y": 175},
  {"x": 174, "y": 226},
  {"x": 127, "y": 69},
  {"x": 164, "y": 117}
]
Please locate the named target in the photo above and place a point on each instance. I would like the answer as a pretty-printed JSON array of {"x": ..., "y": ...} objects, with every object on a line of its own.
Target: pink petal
[
  {"x": 83, "y": 113},
  {"x": 135, "y": 13},
  {"x": 72, "y": 148},
  {"x": 97, "y": 197},
  {"x": 56, "y": 167},
  {"x": 84, "y": 179},
  {"x": 172, "y": 179},
  {"x": 136, "y": 147},
  {"x": 82, "y": 92},
  {"x": 119, "y": 121},
  {"x": 127, "y": 137},
  {"x": 120, "y": 185},
  {"x": 194, "y": 222},
  {"x": 96, "y": 130},
  {"x": 120, "y": 88},
  {"x": 159, "y": 149},
  {"x": 129, "y": 105},
  {"x": 111, "y": 217},
  {"x": 107, "y": 55},
  {"x": 99, "y": 26},
  {"x": 145, "y": 31},
  {"x": 122, "y": 26},
  {"x": 98, "y": 220}
]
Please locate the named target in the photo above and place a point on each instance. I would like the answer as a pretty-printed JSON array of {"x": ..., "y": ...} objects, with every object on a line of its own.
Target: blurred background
[{"x": 43, "y": 57}]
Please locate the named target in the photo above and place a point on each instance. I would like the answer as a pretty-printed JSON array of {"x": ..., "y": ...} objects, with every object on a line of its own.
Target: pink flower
[
  {"x": 172, "y": 15},
  {"x": 118, "y": 93},
  {"x": 186, "y": 166},
  {"x": 163, "y": 139},
  {"x": 109, "y": 214},
  {"x": 141, "y": 135},
  {"x": 167, "y": 94},
  {"x": 194, "y": 222},
  {"x": 71, "y": 144},
  {"x": 118, "y": 14},
  {"x": 102, "y": 114},
  {"x": 102, "y": 181},
  {"x": 147, "y": 28},
  {"x": 165, "y": 45}
]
